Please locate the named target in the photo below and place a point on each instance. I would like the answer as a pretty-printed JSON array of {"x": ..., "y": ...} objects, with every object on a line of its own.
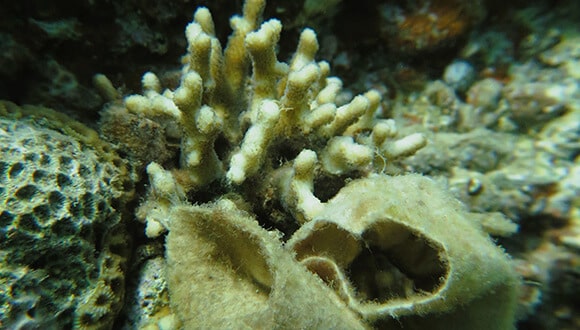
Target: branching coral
[
  {"x": 264, "y": 117},
  {"x": 266, "y": 144}
]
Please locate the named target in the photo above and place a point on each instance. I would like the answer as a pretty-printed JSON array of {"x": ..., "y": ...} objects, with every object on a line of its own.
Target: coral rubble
[{"x": 511, "y": 144}]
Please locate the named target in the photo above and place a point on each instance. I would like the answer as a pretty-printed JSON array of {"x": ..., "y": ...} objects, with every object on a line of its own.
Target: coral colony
[
  {"x": 264, "y": 137},
  {"x": 273, "y": 201}
]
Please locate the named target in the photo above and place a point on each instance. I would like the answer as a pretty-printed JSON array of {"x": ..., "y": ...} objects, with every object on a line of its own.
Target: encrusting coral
[{"x": 269, "y": 146}]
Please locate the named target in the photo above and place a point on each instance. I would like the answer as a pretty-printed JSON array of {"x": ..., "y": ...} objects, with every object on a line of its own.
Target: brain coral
[{"x": 63, "y": 245}]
